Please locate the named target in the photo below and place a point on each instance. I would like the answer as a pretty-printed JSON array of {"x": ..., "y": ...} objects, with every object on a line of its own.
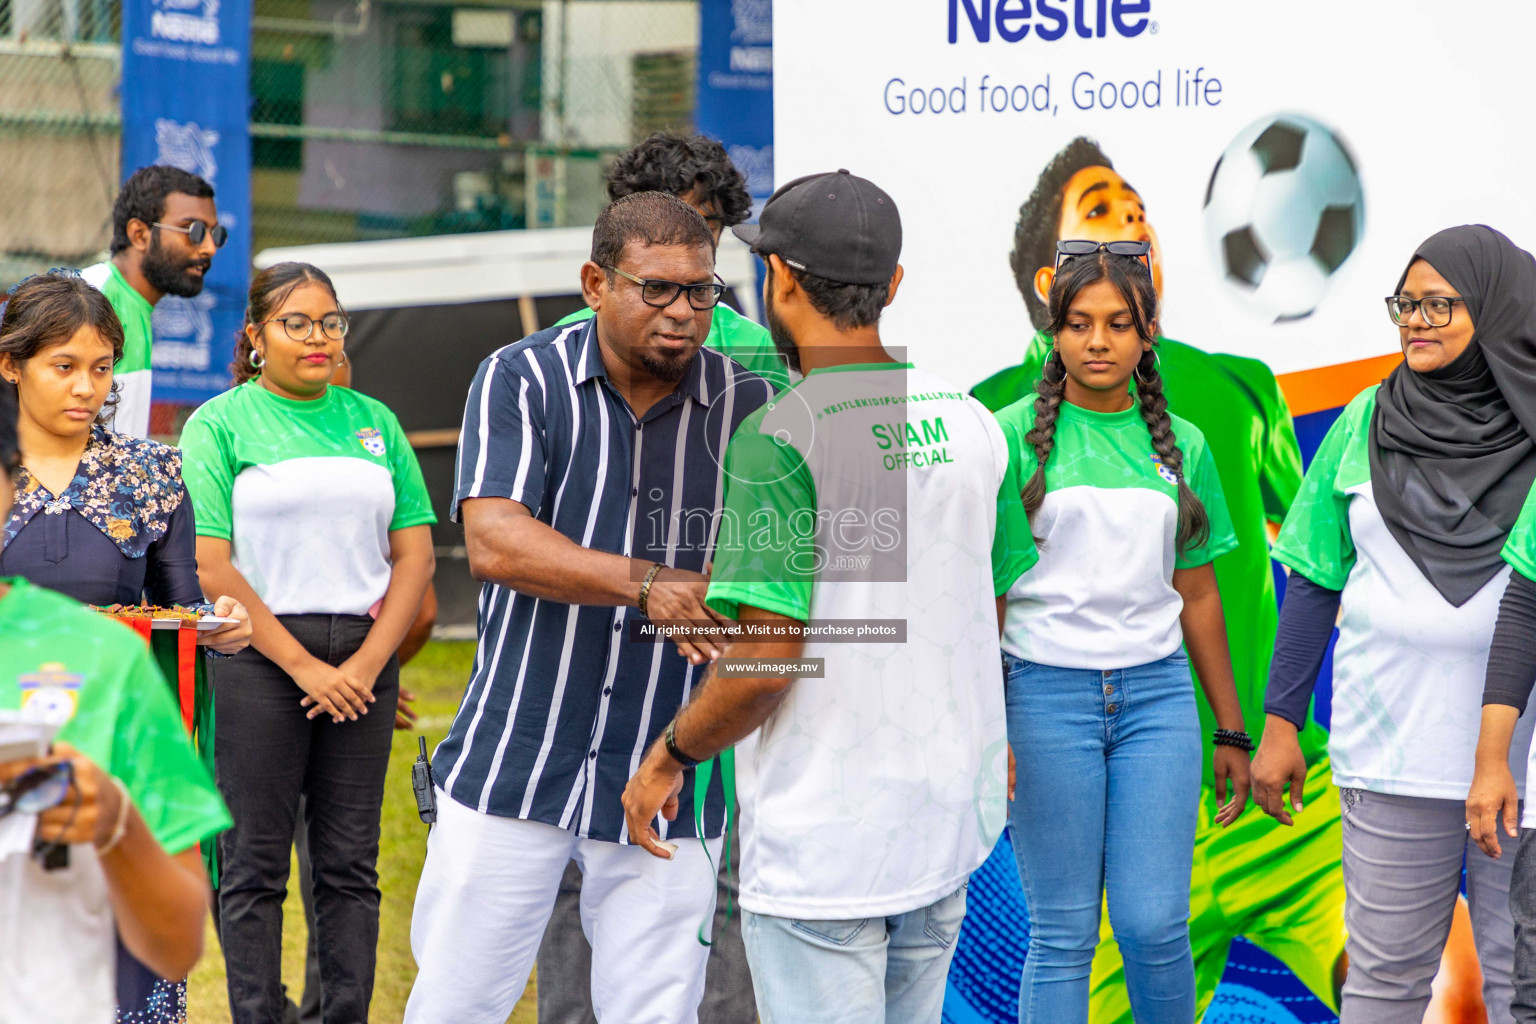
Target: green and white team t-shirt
[
  {"x": 1102, "y": 596},
  {"x": 62, "y": 663},
  {"x": 873, "y": 493},
  {"x": 131, "y": 374},
  {"x": 1408, "y": 669},
  {"x": 306, "y": 492}
]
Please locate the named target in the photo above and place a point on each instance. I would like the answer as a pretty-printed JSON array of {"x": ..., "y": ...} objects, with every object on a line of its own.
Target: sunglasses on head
[{"x": 1071, "y": 248}]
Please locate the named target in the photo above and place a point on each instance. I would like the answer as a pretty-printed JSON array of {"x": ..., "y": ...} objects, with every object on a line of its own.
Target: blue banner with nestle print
[
  {"x": 186, "y": 102},
  {"x": 735, "y": 102}
]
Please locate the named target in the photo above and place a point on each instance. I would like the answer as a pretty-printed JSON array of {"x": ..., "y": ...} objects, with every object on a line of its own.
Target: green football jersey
[
  {"x": 306, "y": 492},
  {"x": 119, "y": 708},
  {"x": 65, "y": 665},
  {"x": 1409, "y": 666},
  {"x": 131, "y": 373},
  {"x": 744, "y": 340},
  {"x": 1237, "y": 405}
]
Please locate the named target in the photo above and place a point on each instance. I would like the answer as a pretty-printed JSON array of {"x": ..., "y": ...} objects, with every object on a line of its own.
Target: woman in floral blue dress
[{"x": 98, "y": 516}]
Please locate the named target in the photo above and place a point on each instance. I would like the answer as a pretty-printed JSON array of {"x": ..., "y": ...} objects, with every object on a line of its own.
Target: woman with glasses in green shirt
[{"x": 312, "y": 511}]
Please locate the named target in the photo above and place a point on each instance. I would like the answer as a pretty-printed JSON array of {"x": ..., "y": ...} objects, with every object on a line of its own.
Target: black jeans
[{"x": 268, "y": 754}]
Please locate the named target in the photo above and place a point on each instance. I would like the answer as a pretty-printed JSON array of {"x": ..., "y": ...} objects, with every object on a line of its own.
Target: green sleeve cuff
[{"x": 727, "y": 599}]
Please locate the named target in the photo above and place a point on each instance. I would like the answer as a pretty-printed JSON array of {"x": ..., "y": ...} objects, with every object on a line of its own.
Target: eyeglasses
[
  {"x": 299, "y": 327},
  {"x": 197, "y": 231},
  {"x": 1436, "y": 309},
  {"x": 36, "y": 789},
  {"x": 662, "y": 294},
  {"x": 1071, "y": 248}
]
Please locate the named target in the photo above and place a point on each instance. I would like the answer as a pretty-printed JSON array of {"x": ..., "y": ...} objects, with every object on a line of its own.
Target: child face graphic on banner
[{"x": 1099, "y": 205}]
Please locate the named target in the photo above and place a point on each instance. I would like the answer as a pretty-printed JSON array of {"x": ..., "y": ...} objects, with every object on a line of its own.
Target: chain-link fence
[{"x": 369, "y": 118}]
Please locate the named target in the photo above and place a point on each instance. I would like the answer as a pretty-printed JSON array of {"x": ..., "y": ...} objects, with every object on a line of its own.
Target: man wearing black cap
[{"x": 871, "y": 529}]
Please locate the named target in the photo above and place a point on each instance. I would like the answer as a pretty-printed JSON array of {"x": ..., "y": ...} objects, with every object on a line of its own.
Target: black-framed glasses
[
  {"x": 197, "y": 231},
  {"x": 1071, "y": 248},
  {"x": 36, "y": 789},
  {"x": 662, "y": 294},
  {"x": 1436, "y": 309},
  {"x": 299, "y": 327}
]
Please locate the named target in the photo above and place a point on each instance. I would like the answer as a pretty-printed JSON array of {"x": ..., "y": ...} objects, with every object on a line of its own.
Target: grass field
[{"x": 437, "y": 677}]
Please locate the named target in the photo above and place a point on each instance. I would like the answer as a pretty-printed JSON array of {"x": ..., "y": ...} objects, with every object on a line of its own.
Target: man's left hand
[{"x": 652, "y": 791}]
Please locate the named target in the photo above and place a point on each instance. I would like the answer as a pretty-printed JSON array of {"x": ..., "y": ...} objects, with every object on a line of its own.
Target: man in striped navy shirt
[{"x": 589, "y": 482}]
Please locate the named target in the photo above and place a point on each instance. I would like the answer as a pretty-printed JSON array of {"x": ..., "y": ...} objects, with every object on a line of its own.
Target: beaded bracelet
[
  {"x": 124, "y": 805},
  {"x": 1233, "y": 738},
  {"x": 645, "y": 588}
]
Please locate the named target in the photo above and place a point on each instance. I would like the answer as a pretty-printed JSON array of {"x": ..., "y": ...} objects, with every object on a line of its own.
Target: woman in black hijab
[{"x": 1401, "y": 522}]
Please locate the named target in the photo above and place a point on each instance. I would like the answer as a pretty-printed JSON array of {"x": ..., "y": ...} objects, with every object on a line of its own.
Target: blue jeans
[
  {"x": 1108, "y": 791},
  {"x": 878, "y": 970}
]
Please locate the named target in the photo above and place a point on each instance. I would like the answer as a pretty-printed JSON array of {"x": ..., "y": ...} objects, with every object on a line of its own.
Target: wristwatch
[{"x": 670, "y": 738}]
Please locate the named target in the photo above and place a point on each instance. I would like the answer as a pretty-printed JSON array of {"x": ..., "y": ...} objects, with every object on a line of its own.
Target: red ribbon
[
  {"x": 142, "y": 625},
  {"x": 186, "y": 672}
]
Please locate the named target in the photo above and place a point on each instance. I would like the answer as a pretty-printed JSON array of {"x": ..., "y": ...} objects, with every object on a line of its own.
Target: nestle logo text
[{"x": 1050, "y": 19}]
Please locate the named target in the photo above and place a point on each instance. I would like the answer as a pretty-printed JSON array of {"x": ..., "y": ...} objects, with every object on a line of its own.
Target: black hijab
[{"x": 1452, "y": 456}]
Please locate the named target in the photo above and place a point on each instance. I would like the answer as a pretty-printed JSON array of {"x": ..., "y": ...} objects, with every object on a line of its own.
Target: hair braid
[
  {"x": 1042, "y": 436},
  {"x": 1194, "y": 524}
]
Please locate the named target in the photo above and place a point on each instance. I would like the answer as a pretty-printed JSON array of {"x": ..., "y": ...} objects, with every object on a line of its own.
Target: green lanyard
[{"x": 701, "y": 778}]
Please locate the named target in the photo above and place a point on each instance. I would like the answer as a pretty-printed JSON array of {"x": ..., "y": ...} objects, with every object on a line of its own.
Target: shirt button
[
  {"x": 607, "y": 690},
  {"x": 634, "y": 492},
  {"x": 617, "y": 626},
  {"x": 591, "y": 755}
]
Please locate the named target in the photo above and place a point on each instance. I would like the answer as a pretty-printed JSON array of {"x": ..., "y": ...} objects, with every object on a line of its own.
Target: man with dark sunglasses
[{"x": 165, "y": 229}]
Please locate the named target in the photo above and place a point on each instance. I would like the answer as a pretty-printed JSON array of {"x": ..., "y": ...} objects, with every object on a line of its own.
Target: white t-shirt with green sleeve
[
  {"x": 1102, "y": 596},
  {"x": 863, "y": 493},
  {"x": 306, "y": 492},
  {"x": 1409, "y": 667},
  {"x": 131, "y": 375}
]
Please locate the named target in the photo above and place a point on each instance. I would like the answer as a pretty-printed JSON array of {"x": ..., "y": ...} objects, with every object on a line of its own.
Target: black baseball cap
[{"x": 836, "y": 225}]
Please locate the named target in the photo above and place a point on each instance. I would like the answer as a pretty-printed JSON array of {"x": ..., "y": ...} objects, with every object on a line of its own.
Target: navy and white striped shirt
[{"x": 562, "y": 704}]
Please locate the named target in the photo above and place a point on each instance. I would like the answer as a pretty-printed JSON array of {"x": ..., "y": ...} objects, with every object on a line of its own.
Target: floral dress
[{"x": 122, "y": 532}]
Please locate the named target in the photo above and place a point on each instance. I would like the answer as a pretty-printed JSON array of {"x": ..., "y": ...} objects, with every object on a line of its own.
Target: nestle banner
[{"x": 186, "y": 100}]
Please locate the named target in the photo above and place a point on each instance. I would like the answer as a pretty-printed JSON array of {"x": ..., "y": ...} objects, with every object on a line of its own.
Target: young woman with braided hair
[{"x": 1128, "y": 512}]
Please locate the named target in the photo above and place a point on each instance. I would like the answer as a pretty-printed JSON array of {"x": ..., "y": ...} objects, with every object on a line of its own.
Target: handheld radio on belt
[{"x": 422, "y": 783}]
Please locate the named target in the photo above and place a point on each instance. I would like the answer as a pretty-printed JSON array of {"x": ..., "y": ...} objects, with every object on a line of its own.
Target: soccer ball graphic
[{"x": 1283, "y": 211}]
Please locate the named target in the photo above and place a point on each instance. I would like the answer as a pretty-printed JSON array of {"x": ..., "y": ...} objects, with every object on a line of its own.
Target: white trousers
[{"x": 485, "y": 896}]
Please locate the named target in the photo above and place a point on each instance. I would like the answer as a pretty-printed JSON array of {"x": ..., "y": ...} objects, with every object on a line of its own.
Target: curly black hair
[
  {"x": 679, "y": 164},
  {"x": 142, "y": 197},
  {"x": 1034, "y": 237},
  {"x": 649, "y": 218}
]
